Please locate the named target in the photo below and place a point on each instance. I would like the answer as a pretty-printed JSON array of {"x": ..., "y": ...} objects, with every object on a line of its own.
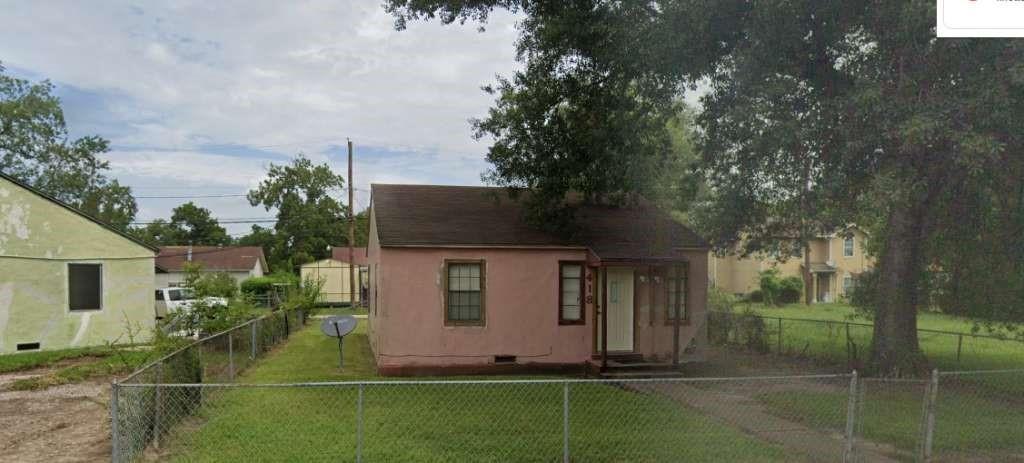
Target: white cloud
[{"x": 262, "y": 73}]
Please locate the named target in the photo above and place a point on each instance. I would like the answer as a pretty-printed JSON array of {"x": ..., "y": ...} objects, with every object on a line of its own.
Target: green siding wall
[{"x": 38, "y": 238}]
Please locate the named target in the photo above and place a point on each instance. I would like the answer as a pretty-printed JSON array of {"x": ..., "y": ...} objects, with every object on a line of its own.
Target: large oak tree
[{"x": 815, "y": 114}]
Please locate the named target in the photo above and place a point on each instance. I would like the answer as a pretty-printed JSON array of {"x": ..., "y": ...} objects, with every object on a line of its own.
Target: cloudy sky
[{"x": 198, "y": 97}]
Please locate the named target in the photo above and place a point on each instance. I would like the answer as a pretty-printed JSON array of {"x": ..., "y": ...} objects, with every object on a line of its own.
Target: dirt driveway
[{"x": 69, "y": 423}]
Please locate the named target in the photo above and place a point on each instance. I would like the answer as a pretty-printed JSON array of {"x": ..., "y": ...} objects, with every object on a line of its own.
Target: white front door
[{"x": 619, "y": 309}]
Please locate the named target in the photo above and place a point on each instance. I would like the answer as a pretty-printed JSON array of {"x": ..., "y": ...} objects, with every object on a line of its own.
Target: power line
[{"x": 226, "y": 195}]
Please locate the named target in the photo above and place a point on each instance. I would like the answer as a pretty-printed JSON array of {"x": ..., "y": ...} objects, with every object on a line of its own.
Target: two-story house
[{"x": 836, "y": 261}]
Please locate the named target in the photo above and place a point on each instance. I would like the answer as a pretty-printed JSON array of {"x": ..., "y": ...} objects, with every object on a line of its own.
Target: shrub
[
  {"x": 257, "y": 285},
  {"x": 790, "y": 290},
  {"x": 755, "y": 296}
]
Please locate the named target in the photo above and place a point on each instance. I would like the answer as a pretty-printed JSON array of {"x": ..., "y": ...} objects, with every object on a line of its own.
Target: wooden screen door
[{"x": 620, "y": 310}]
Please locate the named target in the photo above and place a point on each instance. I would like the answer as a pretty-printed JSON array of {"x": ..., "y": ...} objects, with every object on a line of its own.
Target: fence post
[
  {"x": 359, "y": 425},
  {"x": 929, "y": 419},
  {"x": 959, "y": 346},
  {"x": 158, "y": 412},
  {"x": 115, "y": 427},
  {"x": 779, "y": 349},
  {"x": 565, "y": 422},
  {"x": 252, "y": 339},
  {"x": 231, "y": 357},
  {"x": 851, "y": 419}
]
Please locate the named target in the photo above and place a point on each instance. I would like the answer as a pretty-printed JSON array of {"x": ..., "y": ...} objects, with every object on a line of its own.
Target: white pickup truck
[{"x": 171, "y": 300}]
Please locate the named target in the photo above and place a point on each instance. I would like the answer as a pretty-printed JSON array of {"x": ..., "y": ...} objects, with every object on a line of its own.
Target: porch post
[
  {"x": 604, "y": 318},
  {"x": 675, "y": 322}
]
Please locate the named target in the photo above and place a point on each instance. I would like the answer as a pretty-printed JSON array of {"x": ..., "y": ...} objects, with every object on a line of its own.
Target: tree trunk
[
  {"x": 808, "y": 278},
  {"x": 894, "y": 348}
]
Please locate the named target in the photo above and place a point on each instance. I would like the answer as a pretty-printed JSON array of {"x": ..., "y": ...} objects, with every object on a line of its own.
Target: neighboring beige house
[
  {"x": 334, "y": 273},
  {"x": 67, "y": 279},
  {"x": 242, "y": 262},
  {"x": 836, "y": 261}
]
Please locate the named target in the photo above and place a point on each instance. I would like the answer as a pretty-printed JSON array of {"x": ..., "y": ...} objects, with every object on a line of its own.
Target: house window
[
  {"x": 570, "y": 296},
  {"x": 464, "y": 304},
  {"x": 848, "y": 246},
  {"x": 675, "y": 292},
  {"x": 85, "y": 286},
  {"x": 847, "y": 284}
]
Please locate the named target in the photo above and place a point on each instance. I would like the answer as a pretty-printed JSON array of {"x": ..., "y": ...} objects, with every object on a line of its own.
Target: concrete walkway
[{"x": 734, "y": 403}]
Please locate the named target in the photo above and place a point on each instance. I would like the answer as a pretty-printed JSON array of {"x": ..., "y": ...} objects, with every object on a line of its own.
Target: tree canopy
[
  {"x": 189, "y": 224},
  {"x": 815, "y": 114},
  {"x": 35, "y": 148},
  {"x": 309, "y": 218}
]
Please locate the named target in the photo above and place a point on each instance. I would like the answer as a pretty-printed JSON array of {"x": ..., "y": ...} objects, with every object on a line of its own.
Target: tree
[
  {"x": 189, "y": 224},
  {"x": 818, "y": 114},
  {"x": 309, "y": 219},
  {"x": 34, "y": 148}
]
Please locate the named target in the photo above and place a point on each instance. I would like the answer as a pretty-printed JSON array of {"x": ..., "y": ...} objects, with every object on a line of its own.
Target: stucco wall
[
  {"x": 521, "y": 306},
  {"x": 37, "y": 241}
]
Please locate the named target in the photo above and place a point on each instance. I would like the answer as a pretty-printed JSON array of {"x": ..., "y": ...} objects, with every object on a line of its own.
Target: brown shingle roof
[
  {"x": 340, "y": 254},
  {"x": 432, "y": 215},
  {"x": 213, "y": 258}
]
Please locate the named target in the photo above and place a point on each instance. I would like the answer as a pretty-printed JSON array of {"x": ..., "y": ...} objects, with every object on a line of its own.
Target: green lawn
[
  {"x": 72, "y": 365},
  {"x": 439, "y": 422},
  {"x": 828, "y": 341},
  {"x": 29, "y": 360},
  {"x": 967, "y": 421}
]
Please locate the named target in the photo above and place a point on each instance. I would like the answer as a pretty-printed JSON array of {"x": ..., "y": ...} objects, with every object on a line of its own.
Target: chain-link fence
[
  {"x": 847, "y": 343},
  {"x": 947, "y": 417},
  {"x": 140, "y": 417}
]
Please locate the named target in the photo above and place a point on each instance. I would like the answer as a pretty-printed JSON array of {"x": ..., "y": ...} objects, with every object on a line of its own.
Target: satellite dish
[{"x": 338, "y": 325}]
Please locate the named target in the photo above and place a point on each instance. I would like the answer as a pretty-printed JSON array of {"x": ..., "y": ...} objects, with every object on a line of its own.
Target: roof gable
[{"x": 76, "y": 211}]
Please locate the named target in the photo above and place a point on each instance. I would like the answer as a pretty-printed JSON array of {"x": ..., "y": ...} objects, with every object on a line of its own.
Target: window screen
[
  {"x": 570, "y": 306},
  {"x": 675, "y": 292},
  {"x": 465, "y": 293},
  {"x": 85, "y": 286}
]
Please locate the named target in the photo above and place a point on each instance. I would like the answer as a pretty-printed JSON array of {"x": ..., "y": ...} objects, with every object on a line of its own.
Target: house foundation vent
[
  {"x": 504, "y": 359},
  {"x": 28, "y": 346}
]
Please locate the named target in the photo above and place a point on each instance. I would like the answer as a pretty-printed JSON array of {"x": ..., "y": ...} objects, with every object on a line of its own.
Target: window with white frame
[
  {"x": 85, "y": 286},
  {"x": 570, "y": 296},
  {"x": 847, "y": 284},
  {"x": 848, "y": 246}
]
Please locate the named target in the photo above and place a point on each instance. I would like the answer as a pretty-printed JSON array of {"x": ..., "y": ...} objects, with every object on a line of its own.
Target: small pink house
[{"x": 459, "y": 282}]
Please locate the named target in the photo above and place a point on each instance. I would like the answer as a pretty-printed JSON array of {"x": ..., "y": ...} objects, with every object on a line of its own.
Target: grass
[
  {"x": 965, "y": 420},
  {"x": 440, "y": 422},
  {"x": 31, "y": 360},
  {"x": 71, "y": 365},
  {"x": 828, "y": 341},
  {"x": 98, "y": 367}
]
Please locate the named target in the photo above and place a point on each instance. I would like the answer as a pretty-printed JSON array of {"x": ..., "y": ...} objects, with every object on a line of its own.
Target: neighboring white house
[{"x": 242, "y": 262}]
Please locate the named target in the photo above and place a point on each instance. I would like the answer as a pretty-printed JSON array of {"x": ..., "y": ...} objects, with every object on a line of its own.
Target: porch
[{"x": 649, "y": 316}]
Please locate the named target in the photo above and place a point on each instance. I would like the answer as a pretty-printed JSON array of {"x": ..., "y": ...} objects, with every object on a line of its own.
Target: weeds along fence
[
  {"x": 141, "y": 416},
  {"x": 848, "y": 343},
  {"x": 838, "y": 417}
]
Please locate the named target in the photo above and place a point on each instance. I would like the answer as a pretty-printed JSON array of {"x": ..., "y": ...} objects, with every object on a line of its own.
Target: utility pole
[{"x": 351, "y": 234}]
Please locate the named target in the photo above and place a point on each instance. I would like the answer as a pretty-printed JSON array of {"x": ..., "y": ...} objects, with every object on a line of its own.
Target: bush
[
  {"x": 257, "y": 286},
  {"x": 777, "y": 291},
  {"x": 790, "y": 290},
  {"x": 217, "y": 284},
  {"x": 755, "y": 296}
]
